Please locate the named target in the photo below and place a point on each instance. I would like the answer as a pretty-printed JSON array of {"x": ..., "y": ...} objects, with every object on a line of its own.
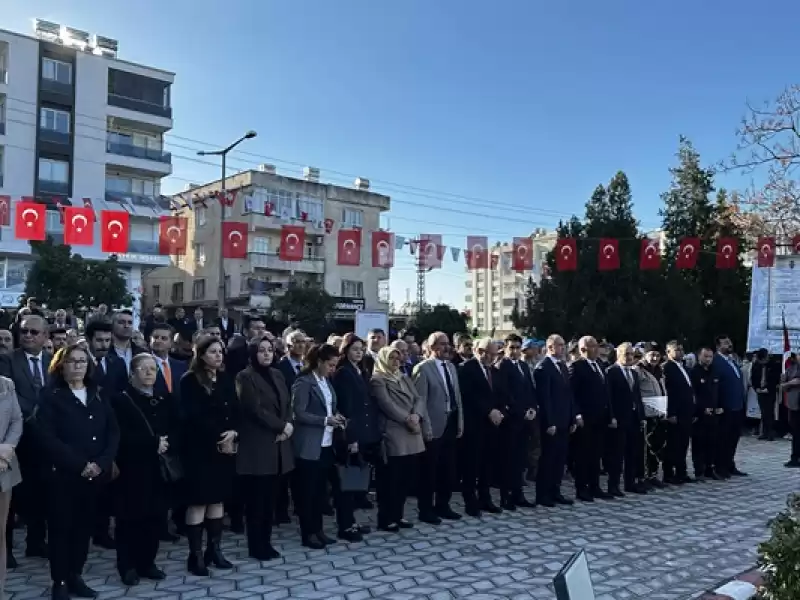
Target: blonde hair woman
[
  {"x": 402, "y": 412},
  {"x": 10, "y": 432}
]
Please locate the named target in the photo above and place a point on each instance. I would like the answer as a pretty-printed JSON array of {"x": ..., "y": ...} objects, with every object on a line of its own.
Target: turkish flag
[
  {"x": 349, "y": 248},
  {"x": 382, "y": 249},
  {"x": 114, "y": 227},
  {"x": 293, "y": 242},
  {"x": 172, "y": 235},
  {"x": 523, "y": 254},
  {"x": 650, "y": 255},
  {"x": 796, "y": 244},
  {"x": 234, "y": 237},
  {"x": 78, "y": 226},
  {"x": 567, "y": 254},
  {"x": 766, "y": 252},
  {"x": 5, "y": 211},
  {"x": 477, "y": 254},
  {"x": 431, "y": 251},
  {"x": 608, "y": 255},
  {"x": 727, "y": 253},
  {"x": 30, "y": 221},
  {"x": 688, "y": 253}
]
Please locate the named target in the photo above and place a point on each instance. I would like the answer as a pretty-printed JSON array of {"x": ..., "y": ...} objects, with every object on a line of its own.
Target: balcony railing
[
  {"x": 140, "y": 105},
  {"x": 114, "y": 146},
  {"x": 53, "y": 187},
  {"x": 56, "y": 87},
  {"x": 142, "y": 247},
  {"x": 2, "y": 127},
  {"x": 135, "y": 199},
  {"x": 53, "y": 136},
  {"x": 272, "y": 261}
]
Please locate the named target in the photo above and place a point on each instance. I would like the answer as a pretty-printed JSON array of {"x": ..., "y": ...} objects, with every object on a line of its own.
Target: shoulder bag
[{"x": 170, "y": 465}]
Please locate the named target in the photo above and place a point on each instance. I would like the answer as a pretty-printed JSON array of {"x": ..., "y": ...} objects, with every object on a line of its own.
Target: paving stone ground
[{"x": 670, "y": 545}]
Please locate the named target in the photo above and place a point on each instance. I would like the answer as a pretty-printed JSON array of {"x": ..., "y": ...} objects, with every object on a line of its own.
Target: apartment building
[
  {"x": 77, "y": 121},
  {"x": 193, "y": 280},
  {"x": 493, "y": 293}
]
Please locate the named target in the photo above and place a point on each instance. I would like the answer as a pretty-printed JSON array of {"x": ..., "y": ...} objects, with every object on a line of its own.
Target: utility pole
[{"x": 224, "y": 153}]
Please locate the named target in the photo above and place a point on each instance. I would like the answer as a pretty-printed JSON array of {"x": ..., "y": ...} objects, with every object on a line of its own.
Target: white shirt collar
[{"x": 36, "y": 356}]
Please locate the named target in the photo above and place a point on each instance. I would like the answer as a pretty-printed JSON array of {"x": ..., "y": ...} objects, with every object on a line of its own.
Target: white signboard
[
  {"x": 574, "y": 581},
  {"x": 775, "y": 292},
  {"x": 369, "y": 319}
]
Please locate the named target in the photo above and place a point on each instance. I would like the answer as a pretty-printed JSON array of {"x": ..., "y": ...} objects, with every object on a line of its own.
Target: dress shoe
[
  {"x": 429, "y": 518},
  {"x": 390, "y": 527},
  {"x": 350, "y": 535},
  {"x": 152, "y": 572},
  {"x": 792, "y": 464},
  {"x": 523, "y": 502},
  {"x": 671, "y": 480},
  {"x": 584, "y": 496},
  {"x": 104, "y": 540},
  {"x": 600, "y": 494},
  {"x": 562, "y": 500},
  {"x": 473, "y": 511},
  {"x": 547, "y": 503},
  {"x": 77, "y": 587},
  {"x": 448, "y": 514},
  {"x": 687, "y": 479},
  {"x": 313, "y": 543},
  {"x": 508, "y": 505},
  {"x": 364, "y": 529},
  {"x": 636, "y": 488},
  {"x": 36, "y": 551},
  {"x": 325, "y": 539},
  {"x": 737, "y": 473},
  {"x": 405, "y": 524},
  {"x": 130, "y": 578},
  {"x": 11, "y": 562},
  {"x": 616, "y": 492},
  {"x": 659, "y": 485},
  {"x": 59, "y": 591},
  {"x": 490, "y": 507}
]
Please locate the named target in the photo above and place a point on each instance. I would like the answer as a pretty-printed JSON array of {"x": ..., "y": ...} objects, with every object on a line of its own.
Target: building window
[
  {"x": 200, "y": 215},
  {"x": 352, "y": 218},
  {"x": 200, "y": 254},
  {"x": 156, "y": 293},
  {"x": 352, "y": 289},
  {"x": 177, "y": 293},
  {"x": 481, "y": 306},
  {"x": 54, "y": 120},
  {"x": 52, "y": 221},
  {"x": 199, "y": 289},
  {"x": 56, "y": 70},
  {"x": 132, "y": 185},
  {"x": 383, "y": 290},
  {"x": 53, "y": 170},
  {"x": 481, "y": 323},
  {"x": 312, "y": 206},
  {"x": 259, "y": 245}
]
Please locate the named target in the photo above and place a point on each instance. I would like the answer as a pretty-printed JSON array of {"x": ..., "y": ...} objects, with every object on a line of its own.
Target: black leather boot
[
  {"x": 213, "y": 555},
  {"x": 196, "y": 564}
]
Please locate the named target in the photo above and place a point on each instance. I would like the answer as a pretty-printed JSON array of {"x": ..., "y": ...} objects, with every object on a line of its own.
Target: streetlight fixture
[{"x": 224, "y": 153}]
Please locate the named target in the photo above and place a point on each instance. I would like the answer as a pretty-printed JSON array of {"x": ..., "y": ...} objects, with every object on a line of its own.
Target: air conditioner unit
[
  {"x": 361, "y": 183},
  {"x": 266, "y": 168},
  {"x": 311, "y": 174}
]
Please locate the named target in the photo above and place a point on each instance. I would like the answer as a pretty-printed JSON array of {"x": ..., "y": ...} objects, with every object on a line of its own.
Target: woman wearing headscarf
[
  {"x": 265, "y": 454},
  {"x": 362, "y": 434},
  {"x": 651, "y": 383},
  {"x": 401, "y": 412}
]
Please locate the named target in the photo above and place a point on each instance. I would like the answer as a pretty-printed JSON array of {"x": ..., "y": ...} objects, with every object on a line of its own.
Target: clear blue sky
[{"x": 521, "y": 103}]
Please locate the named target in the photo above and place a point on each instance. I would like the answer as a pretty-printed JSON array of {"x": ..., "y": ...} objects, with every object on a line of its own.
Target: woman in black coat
[
  {"x": 208, "y": 434},
  {"x": 362, "y": 434},
  {"x": 147, "y": 424}
]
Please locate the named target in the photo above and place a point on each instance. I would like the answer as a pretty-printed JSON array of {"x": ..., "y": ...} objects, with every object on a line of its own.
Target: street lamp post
[{"x": 224, "y": 153}]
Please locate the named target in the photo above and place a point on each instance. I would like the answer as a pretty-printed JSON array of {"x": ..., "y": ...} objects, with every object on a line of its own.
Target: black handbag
[{"x": 169, "y": 465}]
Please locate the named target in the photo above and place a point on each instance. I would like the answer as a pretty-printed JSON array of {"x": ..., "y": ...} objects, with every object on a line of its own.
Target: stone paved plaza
[{"x": 671, "y": 545}]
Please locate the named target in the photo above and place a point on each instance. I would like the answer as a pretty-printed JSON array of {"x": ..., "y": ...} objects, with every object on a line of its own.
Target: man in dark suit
[
  {"x": 27, "y": 367},
  {"x": 170, "y": 370},
  {"x": 590, "y": 391},
  {"x": 291, "y": 364},
  {"x": 517, "y": 397},
  {"x": 197, "y": 322},
  {"x": 765, "y": 377},
  {"x": 226, "y": 325},
  {"x": 732, "y": 401},
  {"x": 181, "y": 323},
  {"x": 704, "y": 430},
  {"x": 558, "y": 417},
  {"x": 482, "y": 417},
  {"x": 680, "y": 415},
  {"x": 122, "y": 344},
  {"x": 625, "y": 434}
]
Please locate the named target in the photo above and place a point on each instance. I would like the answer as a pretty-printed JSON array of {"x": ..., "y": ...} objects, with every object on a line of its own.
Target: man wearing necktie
[
  {"x": 170, "y": 370},
  {"x": 680, "y": 415},
  {"x": 732, "y": 397},
  {"x": 436, "y": 380}
]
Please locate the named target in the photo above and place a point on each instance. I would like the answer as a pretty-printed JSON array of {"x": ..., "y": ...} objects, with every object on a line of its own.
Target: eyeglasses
[{"x": 29, "y": 332}]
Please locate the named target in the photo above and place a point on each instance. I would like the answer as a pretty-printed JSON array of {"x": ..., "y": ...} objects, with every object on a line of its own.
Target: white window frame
[
  {"x": 311, "y": 205},
  {"x": 57, "y": 70},
  {"x": 49, "y": 119},
  {"x": 259, "y": 245},
  {"x": 352, "y": 289},
  {"x": 51, "y": 165},
  {"x": 352, "y": 217},
  {"x": 200, "y": 215},
  {"x": 200, "y": 254}
]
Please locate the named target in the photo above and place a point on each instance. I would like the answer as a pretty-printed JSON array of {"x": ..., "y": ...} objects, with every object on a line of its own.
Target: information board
[{"x": 775, "y": 292}]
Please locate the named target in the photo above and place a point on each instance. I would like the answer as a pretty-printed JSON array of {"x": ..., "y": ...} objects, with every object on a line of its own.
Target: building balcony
[
  {"x": 57, "y": 88},
  {"x": 116, "y": 147},
  {"x": 136, "y": 159},
  {"x": 51, "y": 136},
  {"x": 59, "y": 188},
  {"x": 270, "y": 261},
  {"x": 142, "y": 106}
]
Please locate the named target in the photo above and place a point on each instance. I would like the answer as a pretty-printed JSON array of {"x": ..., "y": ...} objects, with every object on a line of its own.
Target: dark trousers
[
  {"x": 30, "y": 498},
  {"x": 394, "y": 480},
  {"x": 312, "y": 491},
  {"x": 70, "y": 523},
  {"x": 588, "y": 450},
  {"x": 766, "y": 402},
  {"x": 102, "y": 515},
  {"x": 282, "y": 499},
  {"x": 534, "y": 449},
  {"x": 634, "y": 452},
  {"x": 437, "y": 470},
  {"x": 551, "y": 464},
  {"x": 614, "y": 455},
  {"x": 704, "y": 443},
  {"x": 730, "y": 430},
  {"x": 794, "y": 424},
  {"x": 137, "y": 542},
  {"x": 678, "y": 436},
  {"x": 259, "y": 492},
  {"x": 513, "y": 450},
  {"x": 235, "y": 505},
  {"x": 475, "y": 459}
]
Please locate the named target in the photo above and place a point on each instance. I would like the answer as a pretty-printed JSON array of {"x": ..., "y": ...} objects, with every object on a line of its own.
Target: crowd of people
[{"x": 126, "y": 438}]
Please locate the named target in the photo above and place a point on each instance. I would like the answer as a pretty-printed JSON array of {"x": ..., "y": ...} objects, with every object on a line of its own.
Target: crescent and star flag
[
  {"x": 608, "y": 255},
  {"x": 172, "y": 235},
  {"x": 5, "y": 211},
  {"x": 234, "y": 237},
  {"x": 523, "y": 254},
  {"x": 30, "y": 221},
  {"x": 727, "y": 253},
  {"x": 382, "y": 249},
  {"x": 787, "y": 355},
  {"x": 114, "y": 228},
  {"x": 766, "y": 252},
  {"x": 477, "y": 253},
  {"x": 796, "y": 244},
  {"x": 567, "y": 254},
  {"x": 650, "y": 255},
  {"x": 431, "y": 251},
  {"x": 348, "y": 252},
  {"x": 293, "y": 241},
  {"x": 78, "y": 226},
  {"x": 688, "y": 252}
]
